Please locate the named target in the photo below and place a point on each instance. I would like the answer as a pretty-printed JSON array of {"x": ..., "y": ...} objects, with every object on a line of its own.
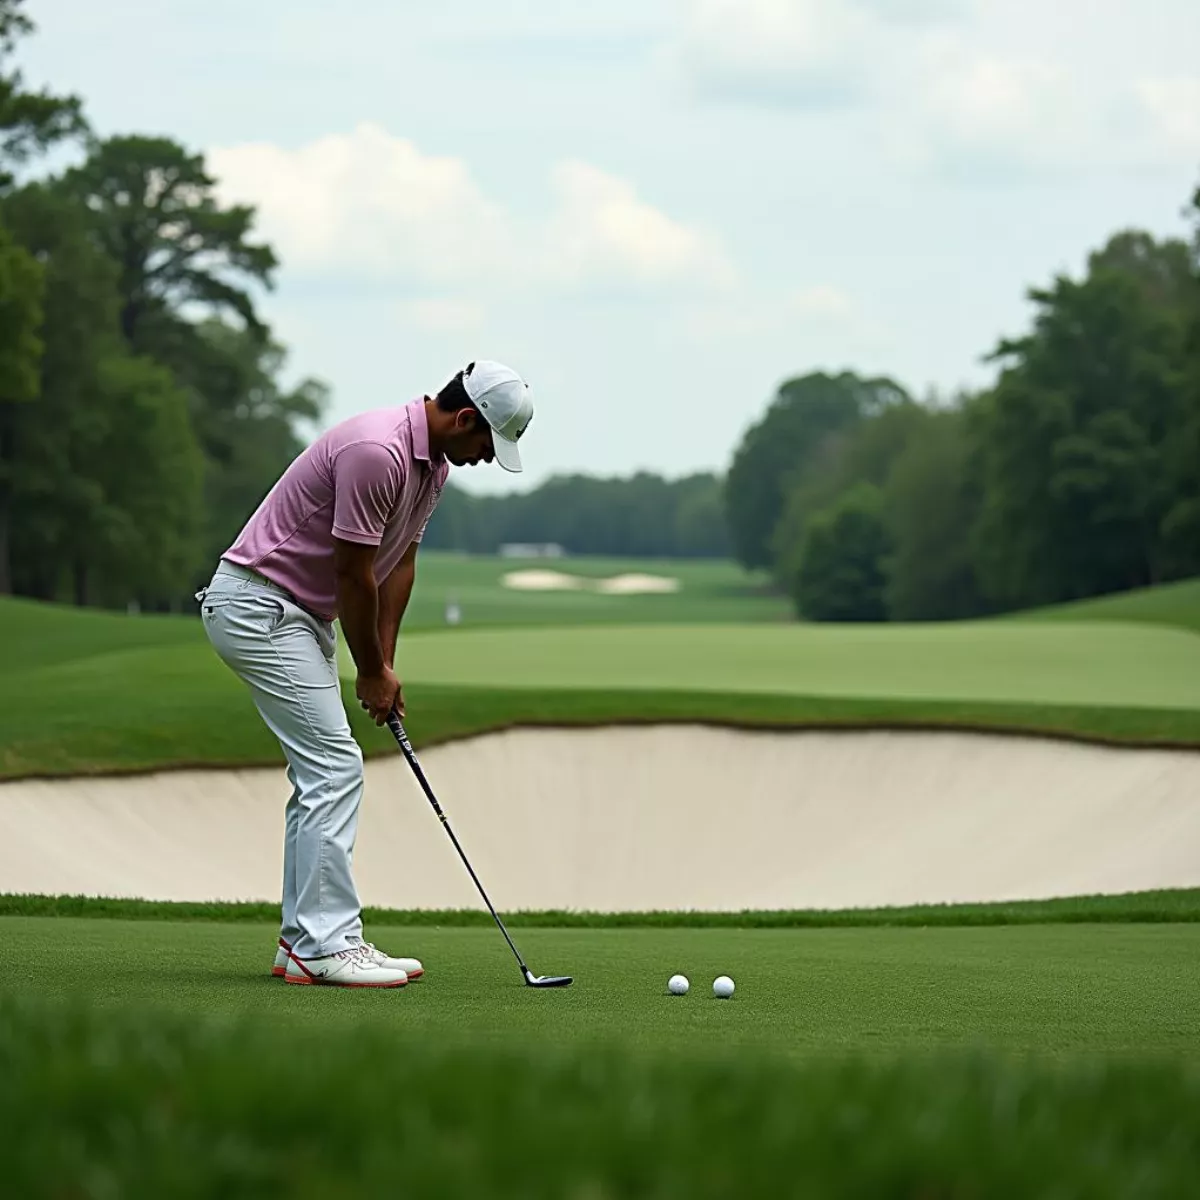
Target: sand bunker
[
  {"x": 651, "y": 818},
  {"x": 541, "y": 581},
  {"x": 632, "y": 584},
  {"x": 637, "y": 585}
]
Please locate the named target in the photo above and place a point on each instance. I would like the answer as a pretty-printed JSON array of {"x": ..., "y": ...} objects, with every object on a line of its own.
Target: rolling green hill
[{"x": 1176, "y": 604}]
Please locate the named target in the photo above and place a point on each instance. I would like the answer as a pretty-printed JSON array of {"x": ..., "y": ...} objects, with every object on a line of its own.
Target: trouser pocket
[{"x": 239, "y": 625}]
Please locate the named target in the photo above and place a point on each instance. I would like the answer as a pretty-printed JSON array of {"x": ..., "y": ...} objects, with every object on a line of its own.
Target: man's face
[{"x": 471, "y": 441}]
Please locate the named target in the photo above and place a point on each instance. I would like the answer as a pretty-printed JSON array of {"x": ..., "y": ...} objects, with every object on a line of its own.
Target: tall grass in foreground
[{"x": 143, "y": 1105}]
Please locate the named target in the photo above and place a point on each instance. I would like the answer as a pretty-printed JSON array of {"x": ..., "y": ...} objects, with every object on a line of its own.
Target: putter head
[{"x": 543, "y": 981}]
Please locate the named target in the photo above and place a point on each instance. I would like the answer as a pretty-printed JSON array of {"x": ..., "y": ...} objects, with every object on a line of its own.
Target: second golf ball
[
  {"x": 678, "y": 985},
  {"x": 723, "y": 987}
]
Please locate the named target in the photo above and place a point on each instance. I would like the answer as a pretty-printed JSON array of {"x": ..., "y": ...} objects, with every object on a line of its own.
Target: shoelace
[
  {"x": 371, "y": 951},
  {"x": 357, "y": 952}
]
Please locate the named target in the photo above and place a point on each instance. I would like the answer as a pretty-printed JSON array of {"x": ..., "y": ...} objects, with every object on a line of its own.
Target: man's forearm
[
  {"x": 358, "y": 612},
  {"x": 394, "y": 593}
]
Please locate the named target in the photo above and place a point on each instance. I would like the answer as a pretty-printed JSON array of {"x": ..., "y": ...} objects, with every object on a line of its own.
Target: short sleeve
[{"x": 367, "y": 481}]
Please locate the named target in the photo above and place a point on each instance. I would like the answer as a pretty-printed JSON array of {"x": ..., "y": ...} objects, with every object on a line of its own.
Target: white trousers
[{"x": 288, "y": 660}]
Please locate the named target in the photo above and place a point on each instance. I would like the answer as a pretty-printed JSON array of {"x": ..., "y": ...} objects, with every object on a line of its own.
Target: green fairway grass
[
  {"x": 142, "y": 1106},
  {"x": 1054, "y": 989},
  {"x": 39, "y": 636},
  {"x": 1074, "y": 664}
]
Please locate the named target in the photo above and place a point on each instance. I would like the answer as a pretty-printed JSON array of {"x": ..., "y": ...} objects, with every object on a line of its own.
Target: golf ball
[
  {"x": 723, "y": 987},
  {"x": 678, "y": 985}
]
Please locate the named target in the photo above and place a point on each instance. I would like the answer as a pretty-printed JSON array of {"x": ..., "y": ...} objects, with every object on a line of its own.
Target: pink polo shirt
[{"x": 369, "y": 479}]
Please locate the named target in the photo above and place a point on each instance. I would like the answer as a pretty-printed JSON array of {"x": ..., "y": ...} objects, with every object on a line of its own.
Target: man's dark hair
[{"x": 453, "y": 397}]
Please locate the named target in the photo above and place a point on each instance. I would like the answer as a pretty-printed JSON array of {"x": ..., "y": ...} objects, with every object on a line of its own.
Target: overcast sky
[{"x": 657, "y": 210}]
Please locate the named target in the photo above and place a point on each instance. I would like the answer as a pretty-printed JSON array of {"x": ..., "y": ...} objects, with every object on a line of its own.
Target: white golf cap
[{"x": 503, "y": 398}]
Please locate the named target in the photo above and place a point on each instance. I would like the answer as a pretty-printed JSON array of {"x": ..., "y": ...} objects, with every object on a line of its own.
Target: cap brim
[{"x": 507, "y": 454}]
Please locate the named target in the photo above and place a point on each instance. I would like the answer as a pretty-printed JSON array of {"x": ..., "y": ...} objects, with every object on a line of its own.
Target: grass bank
[{"x": 176, "y": 708}]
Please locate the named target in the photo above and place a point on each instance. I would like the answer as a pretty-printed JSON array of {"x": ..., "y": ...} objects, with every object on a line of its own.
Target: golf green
[{"x": 1060, "y": 990}]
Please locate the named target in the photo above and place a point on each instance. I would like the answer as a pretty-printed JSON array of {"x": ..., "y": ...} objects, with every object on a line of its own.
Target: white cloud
[
  {"x": 1016, "y": 115},
  {"x": 366, "y": 202},
  {"x": 604, "y": 232},
  {"x": 371, "y": 204}
]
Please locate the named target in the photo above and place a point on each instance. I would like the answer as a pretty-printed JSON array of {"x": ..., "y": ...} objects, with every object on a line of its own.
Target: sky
[{"x": 655, "y": 210}]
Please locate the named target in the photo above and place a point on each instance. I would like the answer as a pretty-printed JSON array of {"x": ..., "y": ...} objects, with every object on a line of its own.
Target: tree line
[
  {"x": 141, "y": 411},
  {"x": 641, "y": 516},
  {"x": 1077, "y": 474}
]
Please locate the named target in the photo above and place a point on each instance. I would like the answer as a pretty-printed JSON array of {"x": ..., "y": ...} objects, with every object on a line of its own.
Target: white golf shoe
[
  {"x": 412, "y": 967},
  {"x": 353, "y": 968}
]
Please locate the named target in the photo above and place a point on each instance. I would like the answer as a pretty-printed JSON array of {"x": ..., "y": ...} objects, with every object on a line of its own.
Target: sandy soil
[{"x": 668, "y": 818}]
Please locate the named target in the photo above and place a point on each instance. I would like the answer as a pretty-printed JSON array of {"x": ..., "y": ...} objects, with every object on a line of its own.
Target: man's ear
[{"x": 467, "y": 420}]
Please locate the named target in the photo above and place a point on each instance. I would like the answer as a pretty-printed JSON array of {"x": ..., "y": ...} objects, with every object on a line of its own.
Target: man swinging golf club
[{"x": 337, "y": 538}]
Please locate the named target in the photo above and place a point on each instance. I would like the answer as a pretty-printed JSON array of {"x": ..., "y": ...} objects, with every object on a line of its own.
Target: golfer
[{"x": 336, "y": 538}]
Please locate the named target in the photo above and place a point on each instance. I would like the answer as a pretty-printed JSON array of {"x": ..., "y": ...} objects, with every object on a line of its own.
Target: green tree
[
  {"x": 1077, "y": 433},
  {"x": 1180, "y": 528},
  {"x": 30, "y": 122},
  {"x": 699, "y": 526},
  {"x": 839, "y": 572},
  {"x": 21, "y": 290},
  {"x": 156, "y": 215},
  {"x": 106, "y": 496},
  {"x": 60, "y": 439},
  {"x": 932, "y": 503},
  {"x": 801, "y": 427},
  {"x": 152, "y": 474},
  {"x": 643, "y": 515},
  {"x": 862, "y": 453}
]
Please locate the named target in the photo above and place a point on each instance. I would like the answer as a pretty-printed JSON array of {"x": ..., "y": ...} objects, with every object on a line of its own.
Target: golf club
[{"x": 537, "y": 981}]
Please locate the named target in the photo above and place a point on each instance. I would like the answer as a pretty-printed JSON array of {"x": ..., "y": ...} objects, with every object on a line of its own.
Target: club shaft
[{"x": 401, "y": 737}]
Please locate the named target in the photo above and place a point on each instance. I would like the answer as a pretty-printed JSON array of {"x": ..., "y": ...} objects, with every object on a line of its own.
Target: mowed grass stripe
[
  {"x": 1168, "y": 906},
  {"x": 144, "y": 1106}
]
